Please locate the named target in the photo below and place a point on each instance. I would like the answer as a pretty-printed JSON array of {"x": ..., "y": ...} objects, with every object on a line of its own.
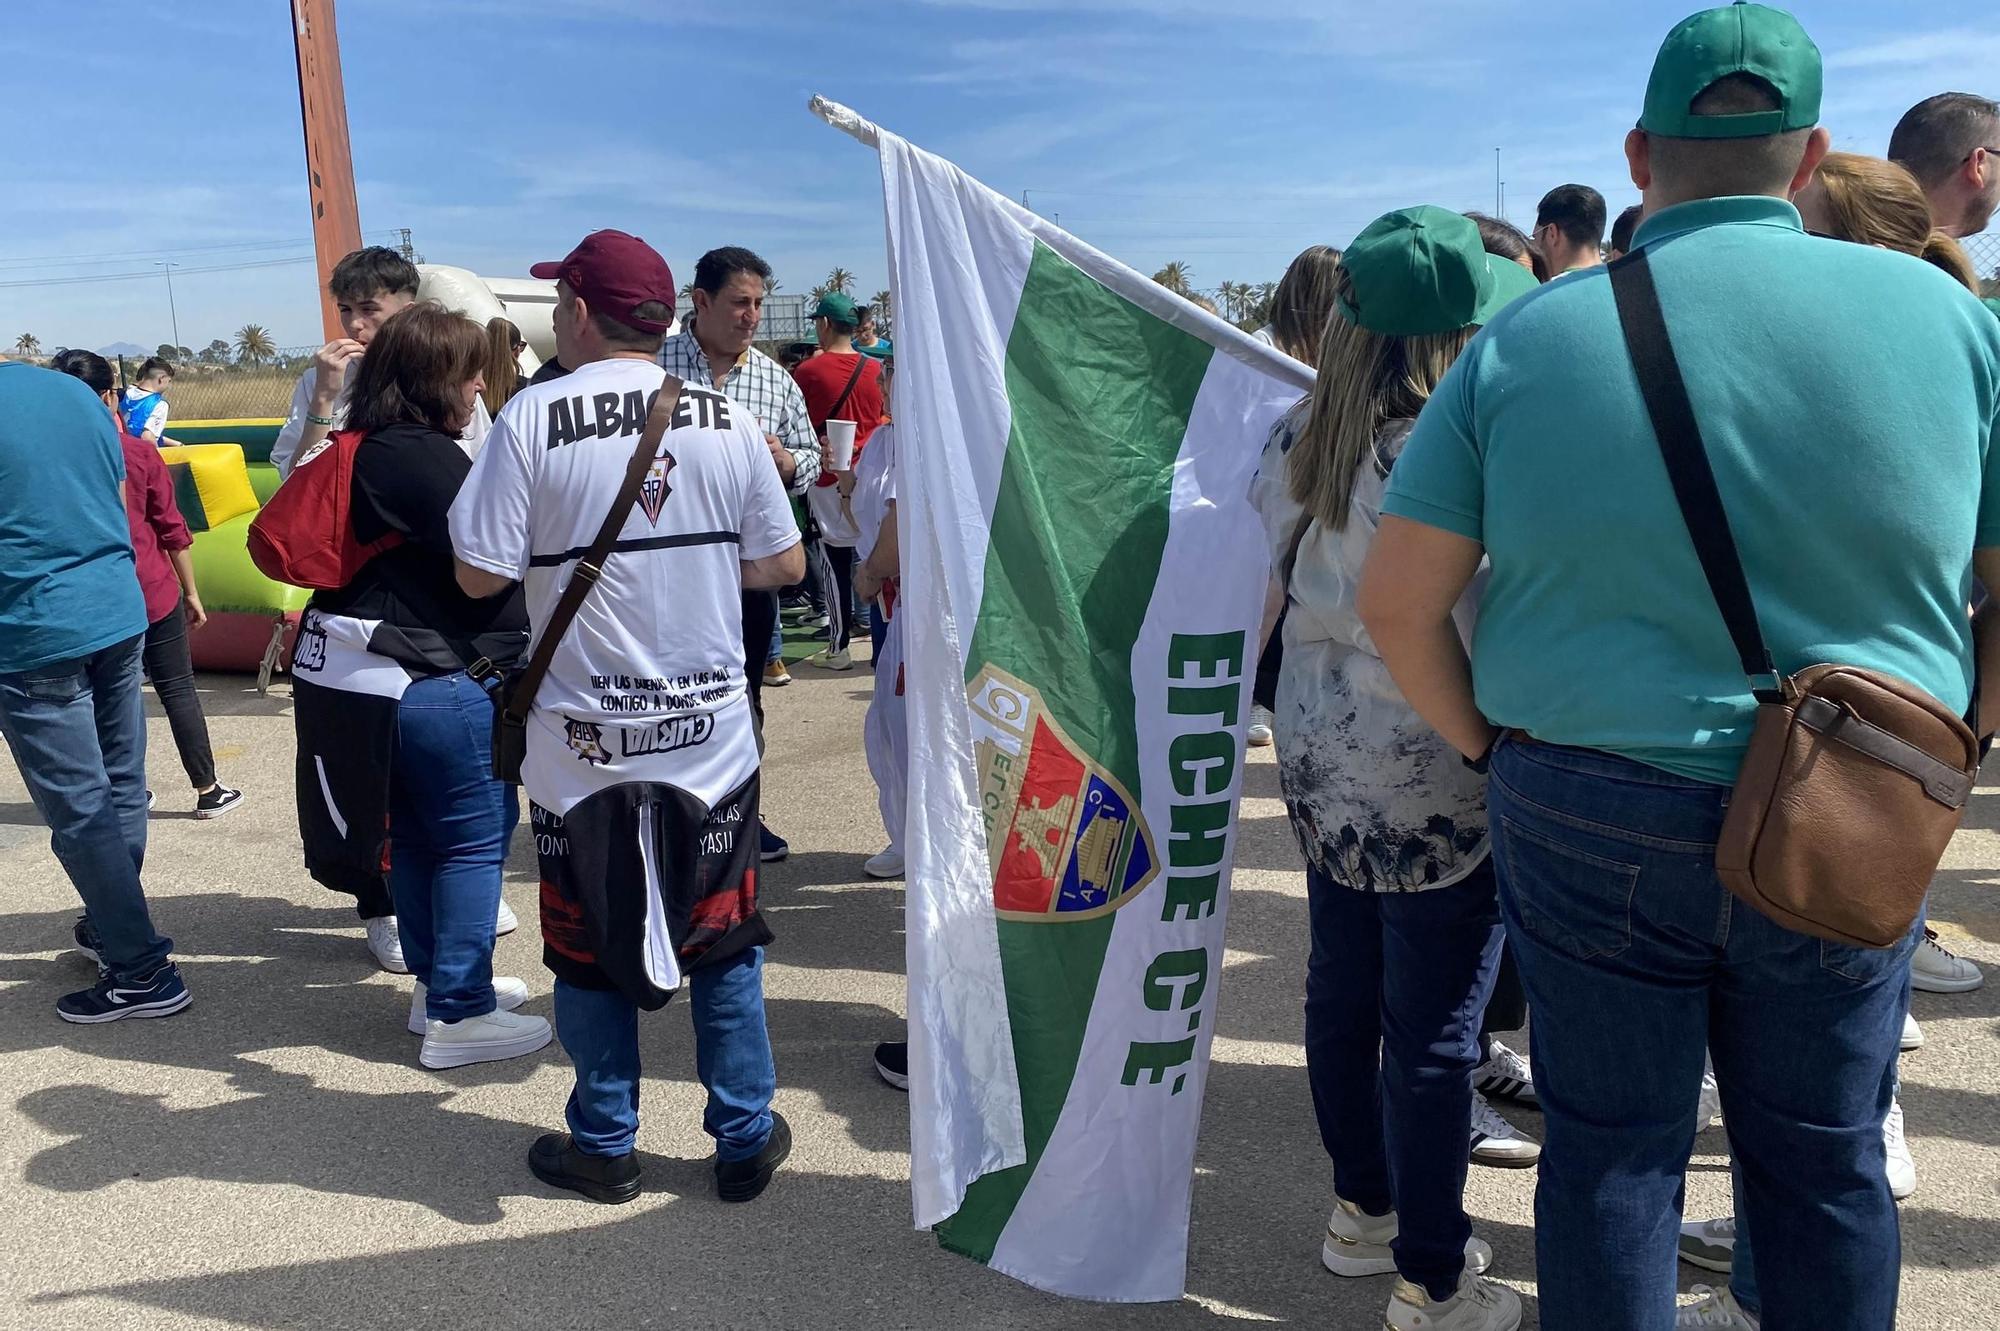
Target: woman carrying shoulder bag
[
  {"x": 1404, "y": 917},
  {"x": 404, "y": 625}
]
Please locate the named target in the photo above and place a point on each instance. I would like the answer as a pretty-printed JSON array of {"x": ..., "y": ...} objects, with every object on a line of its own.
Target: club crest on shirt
[
  {"x": 1064, "y": 840},
  {"x": 586, "y": 740},
  {"x": 653, "y": 491}
]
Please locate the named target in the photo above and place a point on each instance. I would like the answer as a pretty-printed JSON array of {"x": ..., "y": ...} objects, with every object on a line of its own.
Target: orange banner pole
[{"x": 336, "y": 216}]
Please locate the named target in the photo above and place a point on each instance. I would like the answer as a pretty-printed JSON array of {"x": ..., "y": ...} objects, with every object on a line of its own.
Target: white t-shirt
[
  {"x": 874, "y": 489},
  {"x": 294, "y": 429},
  {"x": 647, "y": 684}
]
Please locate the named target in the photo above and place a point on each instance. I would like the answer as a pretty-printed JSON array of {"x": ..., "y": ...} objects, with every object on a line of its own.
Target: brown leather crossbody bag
[{"x": 1855, "y": 780}]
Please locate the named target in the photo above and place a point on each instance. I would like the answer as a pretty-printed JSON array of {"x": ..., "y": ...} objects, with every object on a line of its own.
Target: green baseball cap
[
  {"x": 835, "y": 306},
  {"x": 1423, "y": 270},
  {"x": 1735, "y": 39}
]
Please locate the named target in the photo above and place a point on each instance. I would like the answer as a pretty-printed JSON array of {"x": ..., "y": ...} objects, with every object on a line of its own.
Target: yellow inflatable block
[{"x": 211, "y": 483}]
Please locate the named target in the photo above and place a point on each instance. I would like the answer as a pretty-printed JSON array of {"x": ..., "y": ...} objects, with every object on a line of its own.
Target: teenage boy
[{"x": 144, "y": 407}]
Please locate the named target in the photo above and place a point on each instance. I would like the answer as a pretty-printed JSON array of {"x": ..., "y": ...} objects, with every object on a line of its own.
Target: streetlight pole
[{"x": 171, "y": 311}]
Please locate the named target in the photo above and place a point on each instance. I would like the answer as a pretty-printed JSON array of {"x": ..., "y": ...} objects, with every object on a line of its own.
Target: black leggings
[{"x": 171, "y": 669}]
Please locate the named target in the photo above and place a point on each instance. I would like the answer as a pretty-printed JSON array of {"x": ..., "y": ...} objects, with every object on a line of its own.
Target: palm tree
[
  {"x": 771, "y": 285},
  {"x": 820, "y": 290},
  {"x": 687, "y": 295},
  {"x": 838, "y": 280},
  {"x": 254, "y": 345},
  {"x": 883, "y": 317},
  {"x": 1174, "y": 277},
  {"x": 27, "y": 344}
]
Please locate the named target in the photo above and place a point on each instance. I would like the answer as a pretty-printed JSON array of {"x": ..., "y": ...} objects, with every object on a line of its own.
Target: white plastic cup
[{"x": 840, "y": 442}]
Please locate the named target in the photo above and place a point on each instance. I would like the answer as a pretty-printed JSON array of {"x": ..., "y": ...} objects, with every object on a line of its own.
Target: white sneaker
[
  {"x": 1936, "y": 969},
  {"x": 1357, "y": 1244},
  {"x": 1259, "y": 733},
  {"x": 504, "y": 921},
  {"x": 508, "y": 994},
  {"x": 1497, "y": 1142},
  {"x": 1913, "y": 1034},
  {"x": 1709, "y": 1244},
  {"x": 1708, "y": 1109},
  {"x": 889, "y": 864},
  {"x": 387, "y": 945},
  {"x": 487, "y": 1039},
  {"x": 835, "y": 658},
  {"x": 1902, "y": 1170},
  {"x": 1505, "y": 1074},
  {"x": 1477, "y": 1305},
  {"x": 1715, "y": 1308}
]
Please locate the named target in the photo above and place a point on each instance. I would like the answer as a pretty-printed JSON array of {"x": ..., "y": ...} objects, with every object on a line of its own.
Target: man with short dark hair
[
  {"x": 839, "y": 384},
  {"x": 1604, "y": 660},
  {"x": 1621, "y": 233},
  {"x": 1951, "y": 144},
  {"x": 368, "y": 286},
  {"x": 1569, "y": 226},
  {"x": 72, "y": 628},
  {"x": 716, "y": 352},
  {"x": 642, "y": 756}
]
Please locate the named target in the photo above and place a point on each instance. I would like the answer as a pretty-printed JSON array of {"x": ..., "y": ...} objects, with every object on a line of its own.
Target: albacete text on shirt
[{"x": 612, "y": 415}]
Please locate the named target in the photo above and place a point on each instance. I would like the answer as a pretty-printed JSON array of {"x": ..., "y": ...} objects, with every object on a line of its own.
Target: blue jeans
[
  {"x": 449, "y": 824},
  {"x": 78, "y": 732},
  {"x": 1635, "y": 957},
  {"x": 732, "y": 1055},
  {"x": 1407, "y": 973}
]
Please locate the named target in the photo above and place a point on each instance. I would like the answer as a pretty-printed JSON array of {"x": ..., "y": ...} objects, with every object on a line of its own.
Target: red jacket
[{"x": 157, "y": 526}]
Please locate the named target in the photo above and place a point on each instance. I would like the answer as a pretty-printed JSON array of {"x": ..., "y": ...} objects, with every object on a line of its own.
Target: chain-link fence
[
  {"x": 1985, "y": 251},
  {"x": 214, "y": 386}
]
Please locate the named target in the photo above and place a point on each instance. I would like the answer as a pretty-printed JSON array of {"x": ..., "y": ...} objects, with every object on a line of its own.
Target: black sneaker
[
  {"x": 770, "y": 846},
  {"x": 892, "y": 1063},
  {"x": 611, "y": 1179},
  {"x": 214, "y": 803},
  {"x": 86, "y": 939},
  {"x": 160, "y": 994},
  {"x": 743, "y": 1180}
]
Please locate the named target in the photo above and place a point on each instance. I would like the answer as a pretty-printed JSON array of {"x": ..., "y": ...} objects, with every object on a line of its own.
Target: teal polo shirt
[
  {"x": 67, "y": 583},
  {"x": 1850, "y": 400}
]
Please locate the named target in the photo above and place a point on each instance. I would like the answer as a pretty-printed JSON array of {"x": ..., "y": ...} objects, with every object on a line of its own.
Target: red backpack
[{"x": 305, "y": 535}]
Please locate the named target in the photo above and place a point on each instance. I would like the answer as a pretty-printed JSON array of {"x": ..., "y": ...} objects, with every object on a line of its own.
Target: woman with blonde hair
[
  {"x": 504, "y": 345},
  {"x": 1872, "y": 201},
  {"x": 1405, "y": 921}
]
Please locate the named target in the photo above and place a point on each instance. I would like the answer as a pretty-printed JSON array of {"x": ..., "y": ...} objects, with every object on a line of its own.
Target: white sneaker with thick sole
[
  {"x": 835, "y": 658},
  {"x": 1709, "y": 1244},
  {"x": 1357, "y": 1244},
  {"x": 1477, "y": 1305},
  {"x": 889, "y": 864},
  {"x": 504, "y": 921},
  {"x": 1913, "y": 1034},
  {"x": 1936, "y": 969},
  {"x": 1258, "y": 734},
  {"x": 487, "y": 1039},
  {"x": 387, "y": 945},
  {"x": 1715, "y": 1308},
  {"x": 1505, "y": 1074},
  {"x": 1902, "y": 1170},
  {"x": 1497, "y": 1142},
  {"x": 508, "y": 994}
]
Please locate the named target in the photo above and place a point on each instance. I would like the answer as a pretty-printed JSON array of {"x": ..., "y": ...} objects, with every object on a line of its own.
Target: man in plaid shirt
[{"x": 715, "y": 351}]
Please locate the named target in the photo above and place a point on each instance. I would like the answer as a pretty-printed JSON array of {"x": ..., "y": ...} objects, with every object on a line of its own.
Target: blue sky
[{"x": 1226, "y": 135}]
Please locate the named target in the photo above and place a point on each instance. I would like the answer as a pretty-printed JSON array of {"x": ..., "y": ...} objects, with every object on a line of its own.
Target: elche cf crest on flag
[{"x": 1065, "y": 840}]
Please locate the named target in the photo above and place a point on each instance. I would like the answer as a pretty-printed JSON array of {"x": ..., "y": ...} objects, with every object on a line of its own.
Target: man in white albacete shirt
[
  {"x": 642, "y": 758},
  {"x": 368, "y": 286}
]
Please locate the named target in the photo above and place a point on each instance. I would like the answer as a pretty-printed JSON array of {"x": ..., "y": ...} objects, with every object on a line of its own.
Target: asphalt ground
[{"x": 274, "y": 1157}]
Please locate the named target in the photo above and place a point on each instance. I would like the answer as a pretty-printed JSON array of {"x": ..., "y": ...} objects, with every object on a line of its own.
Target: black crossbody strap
[
  {"x": 860, "y": 364},
  {"x": 1679, "y": 435},
  {"x": 521, "y": 697}
]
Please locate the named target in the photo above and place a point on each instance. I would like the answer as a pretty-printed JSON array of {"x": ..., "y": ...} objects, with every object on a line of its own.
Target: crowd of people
[{"x": 1507, "y": 713}]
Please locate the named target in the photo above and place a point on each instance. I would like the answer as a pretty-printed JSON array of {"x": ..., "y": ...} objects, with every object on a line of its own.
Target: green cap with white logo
[{"x": 1741, "y": 38}]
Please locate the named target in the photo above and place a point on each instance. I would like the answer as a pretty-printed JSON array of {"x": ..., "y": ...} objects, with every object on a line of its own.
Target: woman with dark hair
[
  {"x": 504, "y": 345},
  {"x": 402, "y": 631},
  {"x": 160, "y": 544},
  {"x": 1504, "y": 240}
]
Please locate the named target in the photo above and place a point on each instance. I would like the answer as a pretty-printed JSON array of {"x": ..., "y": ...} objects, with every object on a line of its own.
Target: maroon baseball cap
[{"x": 615, "y": 274}]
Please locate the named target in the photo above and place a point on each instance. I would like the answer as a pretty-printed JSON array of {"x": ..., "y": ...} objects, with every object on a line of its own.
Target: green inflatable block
[{"x": 228, "y": 581}]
